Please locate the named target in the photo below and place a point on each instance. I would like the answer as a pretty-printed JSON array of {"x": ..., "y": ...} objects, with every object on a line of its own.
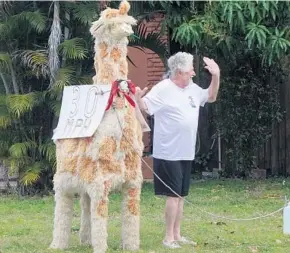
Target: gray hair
[{"x": 180, "y": 61}]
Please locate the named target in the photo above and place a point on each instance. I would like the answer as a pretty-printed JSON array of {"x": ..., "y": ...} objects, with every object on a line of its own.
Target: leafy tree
[{"x": 249, "y": 39}]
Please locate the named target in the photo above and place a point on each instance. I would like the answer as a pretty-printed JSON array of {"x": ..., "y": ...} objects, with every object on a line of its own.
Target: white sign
[{"x": 82, "y": 110}]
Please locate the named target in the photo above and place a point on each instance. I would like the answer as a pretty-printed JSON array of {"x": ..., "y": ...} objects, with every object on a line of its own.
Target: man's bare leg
[
  {"x": 171, "y": 210},
  {"x": 177, "y": 225},
  {"x": 179, "y": 216}
]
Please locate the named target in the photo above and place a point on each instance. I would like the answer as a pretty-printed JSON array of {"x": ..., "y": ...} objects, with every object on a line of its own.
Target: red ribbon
[{"x": 116, "y": 90}]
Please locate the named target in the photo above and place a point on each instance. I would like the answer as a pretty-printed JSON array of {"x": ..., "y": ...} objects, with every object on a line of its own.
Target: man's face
[{"x": 186, "y": 76}]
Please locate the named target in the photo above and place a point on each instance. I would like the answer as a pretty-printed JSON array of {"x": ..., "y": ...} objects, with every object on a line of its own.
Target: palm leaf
[
  {"x": 65, "y": 77},
  {"x": 55, "y": 105},
  {"x": 29, "y": 178},
  {"x": 5, "y": 122},
  {"x": 48, "y": 151},
  {"x": 36, "y": 60},
  {"x": 85, "y": 80},
  {"x": 5, "y": 118},
  {"x": 5, "y": 61},
  {"x": 14, "y": 164},
  {"x": 84, "y": 12},
  {"x": 21, "y": 149},
  {"x": 4, "y": 31},
  {"x": 5, "y": 7},
  {"x": 152, "y": 41},
  {"x": 73, "y": 49},
  {"x": 31, "y": 174},
  {"x": 35, "y": 20},
  {"x": 20, "y": 104}
]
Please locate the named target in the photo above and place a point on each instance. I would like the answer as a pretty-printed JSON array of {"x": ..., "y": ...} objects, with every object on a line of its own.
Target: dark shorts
[{"x": 176, "y": 174}]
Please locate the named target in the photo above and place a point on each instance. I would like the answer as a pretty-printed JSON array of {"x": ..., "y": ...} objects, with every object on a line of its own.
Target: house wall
[{"x": 148, "y": 71}]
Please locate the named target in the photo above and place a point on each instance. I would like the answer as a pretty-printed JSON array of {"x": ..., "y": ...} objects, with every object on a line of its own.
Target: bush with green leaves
[{"x": 249, "y": 40}]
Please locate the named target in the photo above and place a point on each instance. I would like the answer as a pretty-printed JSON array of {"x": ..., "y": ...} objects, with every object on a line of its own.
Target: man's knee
[{"x": 173, "y": 200}]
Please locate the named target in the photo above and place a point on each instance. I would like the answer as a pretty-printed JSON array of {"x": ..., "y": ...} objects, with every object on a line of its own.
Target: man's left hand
[{"x": 211, "y": 66}]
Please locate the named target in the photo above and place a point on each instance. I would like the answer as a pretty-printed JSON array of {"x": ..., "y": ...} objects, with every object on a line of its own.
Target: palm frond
[
  {"x": 36, "y": 60},
  {"x": 152, "y": 41},
  {"x": 31, "y": 174},
  {"x": 74, "y": 49},
  {"x": 48, "y": 151},
  {"x": 36, "y": 20},
  {"x": 5, "y": 118},
  {"x": 5, "y": 61},
  {"x": 16, "y": 164},
  {"x": 65, "y": 77},
  {"x": 20, "y": 23},
  {"x": 5, "y": 7},
  {"x": 21, "y": 149},
  {"x": 29, "y": 178},
  {"x": 5, "y": 122},
  {"x": 85, "y": 12},
  {"x": 4, "y": 31},
  {"x": 85, "y": 80},
  {"x": 55, "y": 105},
  {"x": 20, "y": 104}
]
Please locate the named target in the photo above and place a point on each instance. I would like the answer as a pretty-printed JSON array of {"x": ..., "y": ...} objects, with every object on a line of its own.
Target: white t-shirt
[{"x": 176, "y": 112}]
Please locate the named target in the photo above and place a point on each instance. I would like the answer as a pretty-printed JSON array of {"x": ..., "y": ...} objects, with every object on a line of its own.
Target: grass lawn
[{"x": 26, "y": 224}]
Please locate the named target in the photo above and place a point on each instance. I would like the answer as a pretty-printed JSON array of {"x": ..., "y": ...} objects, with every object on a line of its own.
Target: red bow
[{"x": 116, "y": 89}]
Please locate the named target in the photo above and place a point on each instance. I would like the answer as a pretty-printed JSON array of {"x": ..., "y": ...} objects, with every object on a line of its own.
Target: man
[{"x": 175, "y": 103}]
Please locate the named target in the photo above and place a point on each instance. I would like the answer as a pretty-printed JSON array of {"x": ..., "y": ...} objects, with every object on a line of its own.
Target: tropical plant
[
  {"x": 248, "y": 39},
  {"x": 29, "y": 106},
  {"x": 47, "y": 47}
]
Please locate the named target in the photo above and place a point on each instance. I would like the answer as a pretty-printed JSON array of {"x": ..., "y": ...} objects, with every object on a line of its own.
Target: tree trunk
[
  {"x": 6, "y": 86},
  {"x": 66, "y": 36},
  {"x": 14, "y": 81},
  {"x": 53, "y": 43}
]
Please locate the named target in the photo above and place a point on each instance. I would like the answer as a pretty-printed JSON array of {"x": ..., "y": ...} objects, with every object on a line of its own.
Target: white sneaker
[
  {"x": 171, "y": 245},
  {"x": 184, "y": 240}
]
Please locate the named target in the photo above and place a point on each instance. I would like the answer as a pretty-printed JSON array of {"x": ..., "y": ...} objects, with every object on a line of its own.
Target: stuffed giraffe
[{"x": 111, "y": 158}]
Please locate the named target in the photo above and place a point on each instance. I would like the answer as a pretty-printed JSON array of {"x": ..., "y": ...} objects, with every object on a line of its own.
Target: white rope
[{"x": 190, "y": 203}]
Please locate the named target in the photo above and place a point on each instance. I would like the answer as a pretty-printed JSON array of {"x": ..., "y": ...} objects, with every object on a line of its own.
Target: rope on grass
[
  {"x": 212, "y": 214},
  {"x": 190, "y": 203}
]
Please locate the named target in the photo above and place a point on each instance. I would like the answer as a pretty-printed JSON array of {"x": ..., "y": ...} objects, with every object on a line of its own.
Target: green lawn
[{"x": 26, "y": 224}]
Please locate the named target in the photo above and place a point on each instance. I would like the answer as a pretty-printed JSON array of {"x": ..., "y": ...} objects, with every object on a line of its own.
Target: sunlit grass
[{"x": 26, "y": 224}]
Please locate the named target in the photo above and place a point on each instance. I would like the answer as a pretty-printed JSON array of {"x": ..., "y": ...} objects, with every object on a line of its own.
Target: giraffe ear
[{"x": 124, "y": 7}]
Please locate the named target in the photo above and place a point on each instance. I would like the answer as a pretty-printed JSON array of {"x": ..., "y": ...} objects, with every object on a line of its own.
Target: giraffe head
[{"x": 114, "y": 24}]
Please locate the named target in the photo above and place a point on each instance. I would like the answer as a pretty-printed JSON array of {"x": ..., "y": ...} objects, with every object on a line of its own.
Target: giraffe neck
[{"x": 110, "y": 61}]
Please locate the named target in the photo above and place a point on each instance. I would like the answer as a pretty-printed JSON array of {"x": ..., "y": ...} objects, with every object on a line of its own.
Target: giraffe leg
[
  {"x": 85, "y": 229},
  {"x": 62, "y": 220},
  {"x": 99, "y": 217},
  {"x": 131, "y": 217}
]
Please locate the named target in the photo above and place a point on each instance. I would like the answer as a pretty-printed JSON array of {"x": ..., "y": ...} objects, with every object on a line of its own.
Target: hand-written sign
[{"x": 82, "y": 110}]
